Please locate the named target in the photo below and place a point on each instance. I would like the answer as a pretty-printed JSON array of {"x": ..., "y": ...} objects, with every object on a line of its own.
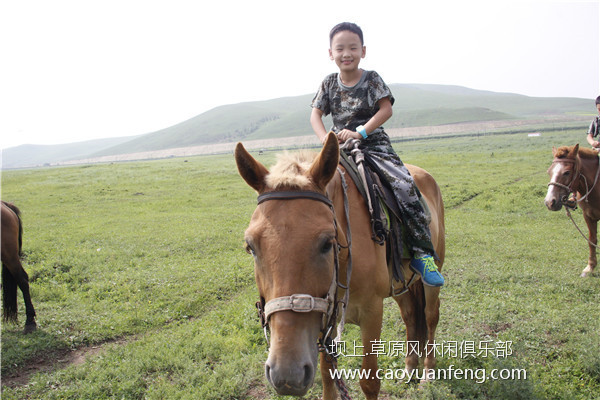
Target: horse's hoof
[
  {"x": 429, "y": 376},
  {"x": 29, "y": 328},
  {"x": 586, "y": 272}
]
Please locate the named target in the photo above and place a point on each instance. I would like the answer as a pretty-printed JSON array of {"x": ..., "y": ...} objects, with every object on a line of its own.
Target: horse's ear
[
  {"x": 326, "y": 163},
  {"x": 251, "y": 170},
  {"x": 575, "y": 150},
  {"x": 553, "y": 151}
]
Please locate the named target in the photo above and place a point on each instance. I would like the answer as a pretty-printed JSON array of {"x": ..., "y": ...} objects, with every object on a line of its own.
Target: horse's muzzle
[
  {"x": 292, "y": 380},
  {"x": 553, "y": 204}
]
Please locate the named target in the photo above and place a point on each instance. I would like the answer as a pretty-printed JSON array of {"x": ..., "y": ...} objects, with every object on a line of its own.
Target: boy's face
[
  {"x": 598, "y": 108},
  {"x": 346, "y": 50}
]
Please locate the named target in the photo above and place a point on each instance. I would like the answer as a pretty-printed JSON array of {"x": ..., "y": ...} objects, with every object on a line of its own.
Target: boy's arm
[
  {"x": 381, "y": 116},
  {"x": 591, "y": 141},
  {"x": 316, "y": 121}
]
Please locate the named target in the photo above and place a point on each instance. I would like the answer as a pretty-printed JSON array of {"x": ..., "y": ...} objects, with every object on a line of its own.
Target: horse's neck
[{"x": 590, "y": 170}]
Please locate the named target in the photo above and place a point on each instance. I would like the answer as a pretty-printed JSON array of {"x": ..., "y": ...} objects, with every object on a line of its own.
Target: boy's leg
[{"x": 414, "y": 219}]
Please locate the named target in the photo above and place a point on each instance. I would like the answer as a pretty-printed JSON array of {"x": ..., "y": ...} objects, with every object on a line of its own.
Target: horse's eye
[
  {"x": 567, "y": 173},
  {"x": 327, "y": 246},
  {"x": 250, "y": 250}
]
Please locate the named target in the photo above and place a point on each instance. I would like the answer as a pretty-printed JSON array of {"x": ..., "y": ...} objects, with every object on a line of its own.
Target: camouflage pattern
[
  {"x": 351, "y": 106},
  {"x": 354, "y": 106},
  {"x": 595, "y": 128}
]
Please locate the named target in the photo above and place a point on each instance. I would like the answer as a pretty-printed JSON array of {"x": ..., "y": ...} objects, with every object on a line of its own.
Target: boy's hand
[{"x": 346, "y": 134}]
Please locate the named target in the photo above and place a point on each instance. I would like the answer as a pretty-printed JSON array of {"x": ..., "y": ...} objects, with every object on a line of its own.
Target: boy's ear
[
  {"x": 364, "y": 51},
  {"x": 330, "y": 54}
]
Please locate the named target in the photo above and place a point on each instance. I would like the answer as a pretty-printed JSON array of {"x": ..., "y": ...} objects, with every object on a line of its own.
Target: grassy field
[{"x": 140, "y": 266}]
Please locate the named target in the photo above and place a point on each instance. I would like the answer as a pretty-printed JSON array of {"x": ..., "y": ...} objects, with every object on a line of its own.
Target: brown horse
[
  {"x": 294, "y": 235},
  {"x": 576, "y": 170},
  {"x": 13, "y": 274}
]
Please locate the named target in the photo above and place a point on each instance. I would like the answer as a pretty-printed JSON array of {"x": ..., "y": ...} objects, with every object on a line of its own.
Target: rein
[{"x": 306, "y": 303}]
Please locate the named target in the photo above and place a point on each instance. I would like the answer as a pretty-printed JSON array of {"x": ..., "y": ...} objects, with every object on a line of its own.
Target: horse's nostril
[{"x": 308, "y": 375}]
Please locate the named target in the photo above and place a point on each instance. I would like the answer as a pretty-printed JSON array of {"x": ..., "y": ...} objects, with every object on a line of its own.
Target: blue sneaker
[{"x": 425, "y": 266}]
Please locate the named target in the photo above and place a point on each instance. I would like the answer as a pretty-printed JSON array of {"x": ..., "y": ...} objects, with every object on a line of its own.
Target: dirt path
[{"x": 56, "y": 360}]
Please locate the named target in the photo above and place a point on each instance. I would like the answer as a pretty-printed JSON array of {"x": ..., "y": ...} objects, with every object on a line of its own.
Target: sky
[{"x": 76, "y": 70}]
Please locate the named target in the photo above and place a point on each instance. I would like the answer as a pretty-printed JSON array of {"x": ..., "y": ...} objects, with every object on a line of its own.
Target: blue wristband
[{"x": 363, "y": 132}]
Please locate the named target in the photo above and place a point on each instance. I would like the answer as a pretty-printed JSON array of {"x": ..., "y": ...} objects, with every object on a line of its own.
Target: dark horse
[
  {"x": 13, "y": 274},
  {"x": 306, "y": 213},
  {"x": 576, "y": 170}
]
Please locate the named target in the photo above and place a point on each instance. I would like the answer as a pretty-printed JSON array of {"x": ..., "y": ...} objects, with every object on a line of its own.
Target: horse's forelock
[
  {"x": 290, "y": 170},
  {"x": 562, "y": 152}
]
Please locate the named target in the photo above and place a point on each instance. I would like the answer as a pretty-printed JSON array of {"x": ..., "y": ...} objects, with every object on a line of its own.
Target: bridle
[
  {"x": 570, "y": 188},
  {"x": 303, "y": 303}
]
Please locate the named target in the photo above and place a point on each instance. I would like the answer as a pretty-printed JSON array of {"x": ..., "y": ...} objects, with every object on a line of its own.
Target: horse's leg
[
  {"x": 23, "y": 281},
  {"x": 370, "y": 331},
  {"x": 593, "y": 237},
  {"x": 409, "y": 316},
  {"x": 432, "y": 316},
  {"x": 329, "y": 390}
]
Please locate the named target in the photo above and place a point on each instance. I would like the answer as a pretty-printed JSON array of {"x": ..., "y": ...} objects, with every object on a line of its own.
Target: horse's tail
[
  {"x": 417, "y": 292},
  {"x": 17, "y": 212},
  {"x": 9, "y": 283},
  {"x": 9, "y": 295}
]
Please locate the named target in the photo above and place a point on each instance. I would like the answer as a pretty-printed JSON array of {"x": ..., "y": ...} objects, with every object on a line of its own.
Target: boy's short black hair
[
  {"x": 346, "y": 26},
  {"x": 597, "y": 100}
]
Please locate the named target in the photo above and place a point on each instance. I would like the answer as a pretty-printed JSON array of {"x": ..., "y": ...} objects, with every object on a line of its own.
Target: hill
[
  {"x": 38, "y": 155},
  {"x": 415, "y": 105}
]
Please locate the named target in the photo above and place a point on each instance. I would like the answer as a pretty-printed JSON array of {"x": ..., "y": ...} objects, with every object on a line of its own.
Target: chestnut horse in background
[
  {"x": 576, "y": 170},
  {"x": 294, "y": 236},
  {"x": 13, "y": 274}
]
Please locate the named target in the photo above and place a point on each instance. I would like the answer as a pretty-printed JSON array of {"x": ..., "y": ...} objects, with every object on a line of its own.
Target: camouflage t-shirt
[
  {"x": 351, "y": 106},
  {"x": 595, "y": 127}
]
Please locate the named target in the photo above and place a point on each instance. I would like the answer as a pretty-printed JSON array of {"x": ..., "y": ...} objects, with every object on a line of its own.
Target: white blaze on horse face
[{"x": 553, "y": 190}]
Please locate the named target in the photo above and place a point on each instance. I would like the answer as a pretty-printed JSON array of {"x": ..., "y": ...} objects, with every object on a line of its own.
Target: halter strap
[
  {"x": 564, "y": 160},
  {"x": 305, "y": 194}
]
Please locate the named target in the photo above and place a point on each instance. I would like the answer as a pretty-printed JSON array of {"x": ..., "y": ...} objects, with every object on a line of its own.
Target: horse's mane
[
  {"x": 563, "y": 152},
  {"x": 290, "y": 170}
]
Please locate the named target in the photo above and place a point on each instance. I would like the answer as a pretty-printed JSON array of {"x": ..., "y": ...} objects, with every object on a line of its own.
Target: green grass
[{"x": 151, "y": 253}]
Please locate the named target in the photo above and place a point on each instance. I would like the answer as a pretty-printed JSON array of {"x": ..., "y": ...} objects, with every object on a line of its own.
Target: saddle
[{"x": 386, "y": 217}]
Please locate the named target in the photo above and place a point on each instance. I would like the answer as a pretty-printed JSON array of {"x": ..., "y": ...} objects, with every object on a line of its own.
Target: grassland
[{"x": 144, "y": 261}]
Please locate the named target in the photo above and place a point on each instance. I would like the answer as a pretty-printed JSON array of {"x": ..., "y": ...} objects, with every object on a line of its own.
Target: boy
[
  {"x": 360, "y": 102},
  {"x": 594, "y": 131}
]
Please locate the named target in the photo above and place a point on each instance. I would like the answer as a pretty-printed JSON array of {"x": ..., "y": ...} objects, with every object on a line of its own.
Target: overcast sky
[{"x": 74, "y": 70}]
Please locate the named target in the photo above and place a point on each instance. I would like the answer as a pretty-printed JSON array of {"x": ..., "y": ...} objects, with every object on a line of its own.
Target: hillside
[{"x": 416, "y": 105}]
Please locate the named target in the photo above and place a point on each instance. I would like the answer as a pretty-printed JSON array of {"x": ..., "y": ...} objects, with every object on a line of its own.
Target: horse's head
[
  {"x": 563, "y": 176},
  {"x": 292, "y": 237}
]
